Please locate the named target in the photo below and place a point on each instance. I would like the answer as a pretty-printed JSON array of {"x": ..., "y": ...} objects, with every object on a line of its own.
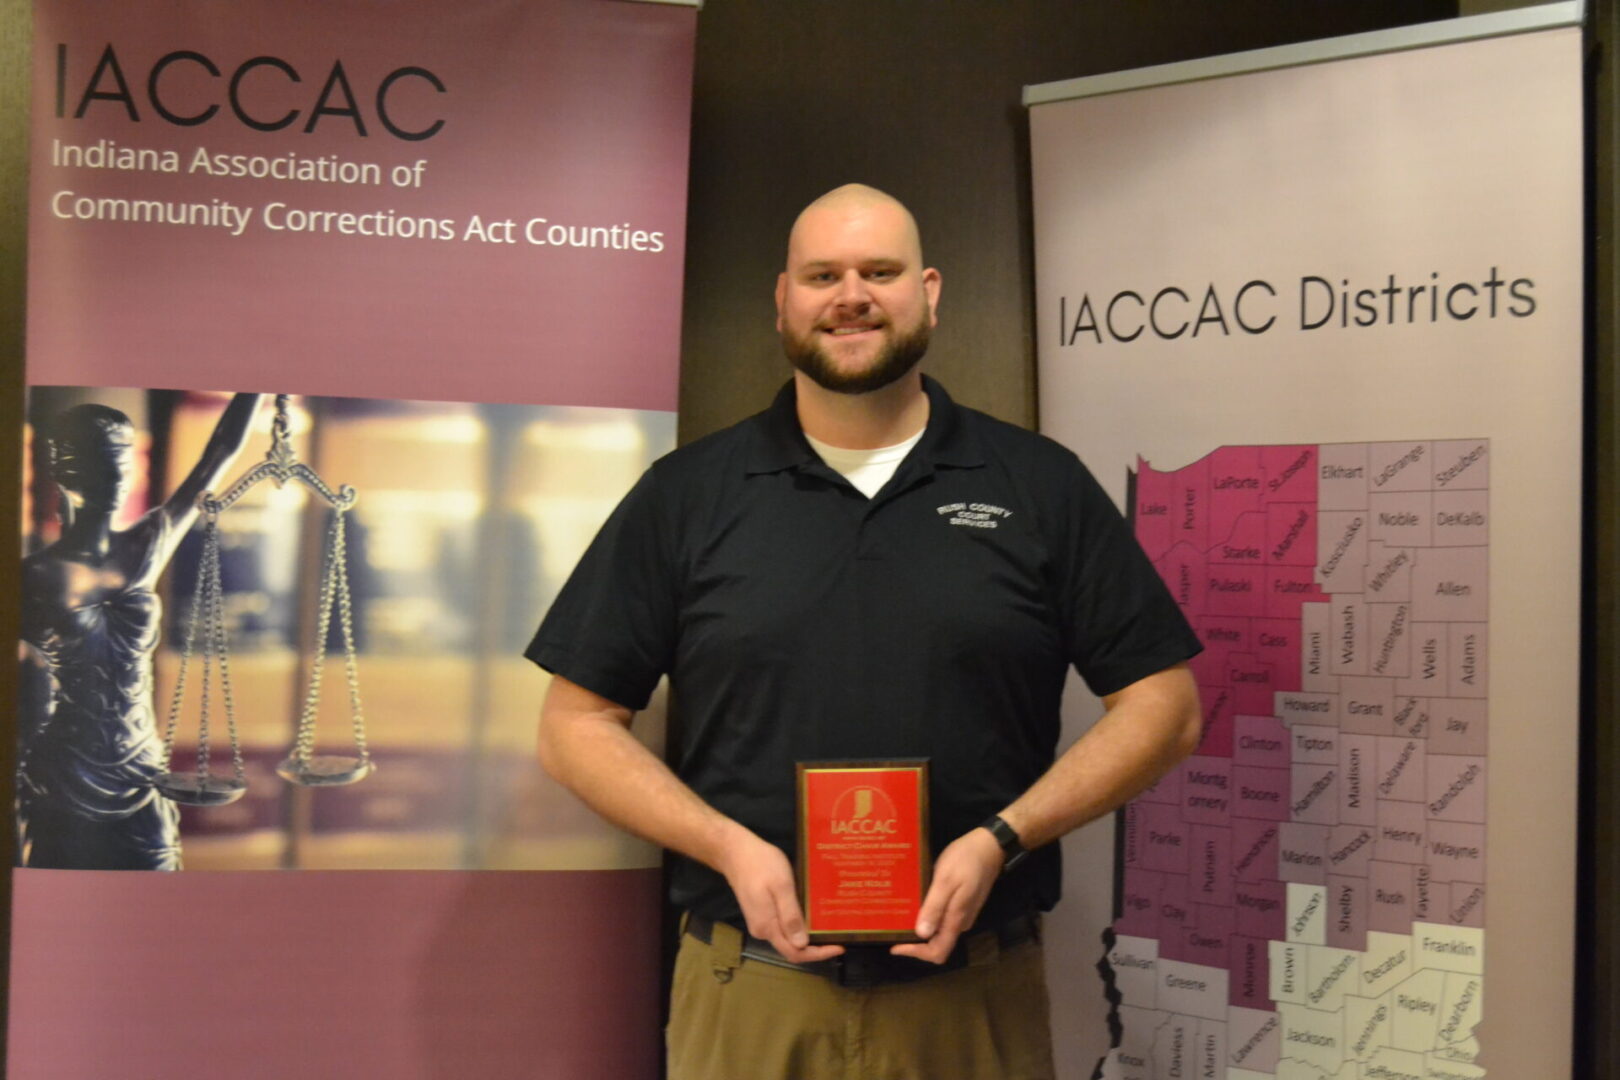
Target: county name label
[{"x": 1305, "y": 895}]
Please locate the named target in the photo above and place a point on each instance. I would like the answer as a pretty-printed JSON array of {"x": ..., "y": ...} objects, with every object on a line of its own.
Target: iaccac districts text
[{"x": 1258, "y": 306}]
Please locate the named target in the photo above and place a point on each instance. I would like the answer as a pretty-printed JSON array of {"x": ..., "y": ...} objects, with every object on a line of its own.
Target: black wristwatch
[{"x": 1012, "y": 852}]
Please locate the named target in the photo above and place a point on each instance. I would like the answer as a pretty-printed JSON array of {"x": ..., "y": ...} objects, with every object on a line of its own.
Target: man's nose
[{"x": 852, "y": 290}]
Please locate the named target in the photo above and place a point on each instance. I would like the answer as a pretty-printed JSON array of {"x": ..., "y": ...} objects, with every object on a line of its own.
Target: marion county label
[{"x": 1306, "y": 893}]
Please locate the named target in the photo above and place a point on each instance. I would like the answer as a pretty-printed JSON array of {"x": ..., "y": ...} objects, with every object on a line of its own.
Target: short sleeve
[
  {"x": 612, "y": 627},
  {"x": 1121, "y": 621}
]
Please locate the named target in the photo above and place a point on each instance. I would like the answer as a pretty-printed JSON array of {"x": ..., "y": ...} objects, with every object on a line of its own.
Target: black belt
[{"x": 874, "y": 965}]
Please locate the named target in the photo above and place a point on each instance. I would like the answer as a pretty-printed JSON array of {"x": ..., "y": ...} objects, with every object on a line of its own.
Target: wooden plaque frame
[{"x": 864, "y": 859}]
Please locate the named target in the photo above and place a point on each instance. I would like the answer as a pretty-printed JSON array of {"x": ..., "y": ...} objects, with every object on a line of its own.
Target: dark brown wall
[
  {"x": 920, "y": 98},
  {"x": 1597, "y": 929}
]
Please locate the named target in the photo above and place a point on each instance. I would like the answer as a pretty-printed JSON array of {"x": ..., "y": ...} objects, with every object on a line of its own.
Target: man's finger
[
  {"x": 789, "y": 916},
  {"x": 812, "y": 953},
  {"x": 935, "y": 923},
  {"x": 933, "y": 907},
  {"x": 759, "y": 917},
  {"x": 936, "y": 949},
  {"x": 959, "y": 915},
  {"x": 795, "y": 945},
  {"x": 791, "y": 939}
]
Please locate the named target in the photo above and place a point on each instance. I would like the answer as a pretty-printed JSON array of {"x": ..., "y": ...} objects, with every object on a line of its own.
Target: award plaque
[{"x": 863, "y": 848}]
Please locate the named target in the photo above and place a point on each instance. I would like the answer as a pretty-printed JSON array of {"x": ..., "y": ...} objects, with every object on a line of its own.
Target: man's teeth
[{"x": 849, "y": 329}]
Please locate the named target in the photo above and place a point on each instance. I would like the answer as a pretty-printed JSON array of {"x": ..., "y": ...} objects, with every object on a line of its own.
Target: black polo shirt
[{"x": 798, "y": 619}]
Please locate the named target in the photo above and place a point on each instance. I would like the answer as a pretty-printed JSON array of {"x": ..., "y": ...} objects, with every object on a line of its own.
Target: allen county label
[{"x": 1305, "y": 896}]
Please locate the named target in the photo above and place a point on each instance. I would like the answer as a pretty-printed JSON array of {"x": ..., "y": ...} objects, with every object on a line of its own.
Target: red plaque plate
[{"x": 863, "y": 848}]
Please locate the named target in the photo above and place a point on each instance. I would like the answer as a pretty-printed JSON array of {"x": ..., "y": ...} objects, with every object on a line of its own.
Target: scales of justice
[{"x": 302, "y": 766}]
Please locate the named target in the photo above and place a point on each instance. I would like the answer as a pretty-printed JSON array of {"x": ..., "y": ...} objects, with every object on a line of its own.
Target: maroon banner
[{"x": 349, "y": 321}]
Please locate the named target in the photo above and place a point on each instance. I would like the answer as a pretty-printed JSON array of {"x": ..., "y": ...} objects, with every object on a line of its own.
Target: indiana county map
[{"x": 1304, "y": 897}]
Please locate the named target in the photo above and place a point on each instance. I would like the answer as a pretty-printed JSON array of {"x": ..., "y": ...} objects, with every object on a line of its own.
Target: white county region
[{"x": 1304, "y": 897}]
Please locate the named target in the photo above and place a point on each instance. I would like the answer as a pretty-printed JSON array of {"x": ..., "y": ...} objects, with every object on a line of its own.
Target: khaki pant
[{"x": 738, "y": 1019}]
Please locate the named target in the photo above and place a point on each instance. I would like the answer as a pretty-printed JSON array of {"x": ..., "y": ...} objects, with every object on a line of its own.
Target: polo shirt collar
[{"x": 779, "y": 442}]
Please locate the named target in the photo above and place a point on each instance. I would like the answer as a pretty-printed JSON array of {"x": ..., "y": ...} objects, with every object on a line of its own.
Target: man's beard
[{"x": 895, "y": 359}]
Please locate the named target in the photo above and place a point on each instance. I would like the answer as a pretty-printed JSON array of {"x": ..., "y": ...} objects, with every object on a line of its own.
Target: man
[{"x": 865, "y": 570}]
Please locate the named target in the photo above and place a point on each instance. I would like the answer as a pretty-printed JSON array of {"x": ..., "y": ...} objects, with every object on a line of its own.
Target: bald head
[
  {"x": 856, "y": 205},
  {"x": 855, "y": 304}
]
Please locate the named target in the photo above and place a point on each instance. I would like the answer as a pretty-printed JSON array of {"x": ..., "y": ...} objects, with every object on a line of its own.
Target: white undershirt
[{"x": 868, "y": 470}]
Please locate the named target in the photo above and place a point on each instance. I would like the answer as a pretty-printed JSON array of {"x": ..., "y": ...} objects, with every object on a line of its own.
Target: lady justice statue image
[{"x": 88, "y": 746}]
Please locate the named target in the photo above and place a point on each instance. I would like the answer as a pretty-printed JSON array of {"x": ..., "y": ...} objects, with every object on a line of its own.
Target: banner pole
[{"x": 1400, "y": 39}]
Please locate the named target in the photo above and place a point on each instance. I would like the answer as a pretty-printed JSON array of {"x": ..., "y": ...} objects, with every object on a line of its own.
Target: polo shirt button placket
[
  {"x": 866, "y": 545},
  {"x": 865, "y": 540}
]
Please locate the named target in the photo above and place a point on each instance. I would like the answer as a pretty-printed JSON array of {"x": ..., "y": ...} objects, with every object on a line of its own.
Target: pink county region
[{"x": 1234, "y": 536}]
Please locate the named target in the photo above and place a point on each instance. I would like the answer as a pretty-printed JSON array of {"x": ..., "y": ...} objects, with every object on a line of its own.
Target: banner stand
[
  {"x": 425, "y": 277},
  {"x": 1219, "y": 337}
]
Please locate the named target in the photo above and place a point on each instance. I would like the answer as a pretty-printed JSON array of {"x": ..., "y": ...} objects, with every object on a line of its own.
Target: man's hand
[
  {"x": 585, "y": 742},
  {"x": 963, "y": 875},
  {"x": 762, "y": 879}
]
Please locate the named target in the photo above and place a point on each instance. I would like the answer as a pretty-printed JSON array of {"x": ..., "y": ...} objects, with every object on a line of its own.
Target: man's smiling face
[{"x": 855, "y": 304}]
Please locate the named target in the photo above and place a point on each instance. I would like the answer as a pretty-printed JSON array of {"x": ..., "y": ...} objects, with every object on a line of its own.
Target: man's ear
[
  {"x": 781, "y": 294},
  {"x": 931, "y": 282}
]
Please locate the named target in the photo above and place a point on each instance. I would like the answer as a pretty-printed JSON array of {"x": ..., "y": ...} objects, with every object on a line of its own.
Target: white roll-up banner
[{"x": 1317, "y": 328}]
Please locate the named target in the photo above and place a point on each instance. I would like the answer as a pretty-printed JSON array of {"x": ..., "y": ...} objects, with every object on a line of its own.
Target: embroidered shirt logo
[{"x": 974, "y": 515}]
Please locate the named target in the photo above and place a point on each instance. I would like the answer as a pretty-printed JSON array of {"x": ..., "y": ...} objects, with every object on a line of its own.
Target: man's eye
[{"x": 881, "y": 275}]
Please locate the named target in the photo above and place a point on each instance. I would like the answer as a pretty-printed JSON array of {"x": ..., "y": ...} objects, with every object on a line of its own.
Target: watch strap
[{"x": 1013, "y": 851}]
